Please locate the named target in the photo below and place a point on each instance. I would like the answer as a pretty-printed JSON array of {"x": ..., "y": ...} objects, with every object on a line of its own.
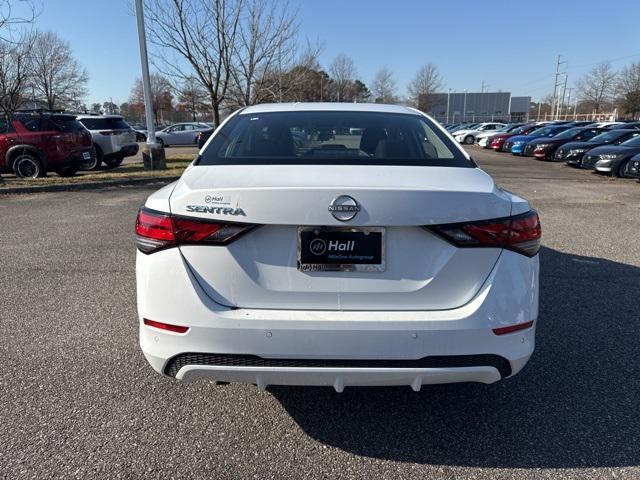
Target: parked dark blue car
[{"x": 516, "y": 144}]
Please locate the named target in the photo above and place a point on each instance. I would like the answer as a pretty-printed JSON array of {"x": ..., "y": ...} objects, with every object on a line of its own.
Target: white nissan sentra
[{"x": 340, "y": 245}]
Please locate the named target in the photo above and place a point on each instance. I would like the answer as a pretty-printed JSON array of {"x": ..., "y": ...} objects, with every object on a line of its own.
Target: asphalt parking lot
[{"x": 80, "y": 401}]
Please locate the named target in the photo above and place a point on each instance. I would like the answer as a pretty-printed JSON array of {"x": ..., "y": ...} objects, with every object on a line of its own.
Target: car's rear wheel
[
  {"x": 69, "y": 171},
  {"x": 96, "y": 160},
  {"x": 28, "y": 165},
  {"x": 113, "y": 162},
  {"x": 468, "y": 140},
  {"x": 160, "y": 143}
]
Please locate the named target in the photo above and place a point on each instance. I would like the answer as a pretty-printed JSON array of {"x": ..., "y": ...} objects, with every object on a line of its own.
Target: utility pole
[
  {"x": 539, "y": 106},
  {"x": 564, "y": 90},
  {"x": 569, "y": 101},
  {"x": 555, "y": 86},
  {"x": 152, "y": 155},
  {"x": 484, "y": 85},
  {"x": 448, "y": 100}
]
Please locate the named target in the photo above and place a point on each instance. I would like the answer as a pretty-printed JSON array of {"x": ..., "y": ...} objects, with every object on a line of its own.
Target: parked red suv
[{"x": 33, "y": 143}]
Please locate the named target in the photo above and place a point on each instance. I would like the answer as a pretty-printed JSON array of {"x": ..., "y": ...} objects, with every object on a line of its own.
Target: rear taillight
[
  {"x": 154, "y": 231},
  {"x": 157, "y": 230},
  {"x": 520, "y": 233}
]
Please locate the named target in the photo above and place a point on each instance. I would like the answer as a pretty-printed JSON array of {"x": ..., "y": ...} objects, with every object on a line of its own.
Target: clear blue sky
[{"x": 510, "y": 45}]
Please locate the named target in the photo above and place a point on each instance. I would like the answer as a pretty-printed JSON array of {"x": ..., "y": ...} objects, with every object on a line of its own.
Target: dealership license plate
[
  {"x": 86, "y": 155},
  {"x": 326, "y": 249}
]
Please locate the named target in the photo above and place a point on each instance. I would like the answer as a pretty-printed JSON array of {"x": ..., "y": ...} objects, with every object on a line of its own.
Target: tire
[
  {"x": 28, "y": 165},
  {"x": 160, "y": 143},
  {"x": 619, "y": 172},
  {"x": 469, "y": 140},
  {"x": 113, "y": 162},
  {"x": 96, "y": 160},
  {"x": 67, "y": 171}
]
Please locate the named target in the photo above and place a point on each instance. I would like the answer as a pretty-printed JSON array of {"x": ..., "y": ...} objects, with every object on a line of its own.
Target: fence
[{"x": 528, "y": 117}]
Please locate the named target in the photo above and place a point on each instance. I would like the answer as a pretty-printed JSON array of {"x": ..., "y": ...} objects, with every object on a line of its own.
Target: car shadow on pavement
[{"x": 576, "y": 404}]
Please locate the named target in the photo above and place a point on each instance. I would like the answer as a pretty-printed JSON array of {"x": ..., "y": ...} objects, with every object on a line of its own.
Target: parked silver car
[
  {"x": 181, "y": 134},
  {"x": 112, "y": 138}
]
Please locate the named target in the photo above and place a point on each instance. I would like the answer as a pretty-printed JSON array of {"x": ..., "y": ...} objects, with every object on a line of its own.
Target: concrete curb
[{"x": 67, "y": 187}]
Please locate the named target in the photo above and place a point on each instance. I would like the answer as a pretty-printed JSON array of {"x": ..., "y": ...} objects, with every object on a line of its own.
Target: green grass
[{"x": 175, "y": 166}]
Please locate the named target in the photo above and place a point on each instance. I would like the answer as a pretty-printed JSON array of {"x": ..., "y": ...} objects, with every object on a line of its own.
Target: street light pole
[{"x": 153, "y": 155}]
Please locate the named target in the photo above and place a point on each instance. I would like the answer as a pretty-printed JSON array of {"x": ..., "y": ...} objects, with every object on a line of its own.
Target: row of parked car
[
  {"x": 35, "y": 142},
  {"x": 606, "y": 147}
]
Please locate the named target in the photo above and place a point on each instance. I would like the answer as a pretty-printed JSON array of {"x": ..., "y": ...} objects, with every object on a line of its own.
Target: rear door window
[
  {"x": 105, "y": 123},
  {"x": 30, "y": 122},
  {"x": 6, "y": 126}
]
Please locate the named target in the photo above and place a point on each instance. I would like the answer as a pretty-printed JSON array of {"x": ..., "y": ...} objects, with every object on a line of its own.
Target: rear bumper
[
  {"x": 339, "y": 378},
  {"x": 77, "y": 158},
  {"x": 337, "y": 348},
  {"x": 125, "y": 151}
]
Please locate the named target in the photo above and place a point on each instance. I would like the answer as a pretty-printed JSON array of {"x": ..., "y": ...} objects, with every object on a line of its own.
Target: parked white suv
[
  {"x": 382, "y": 257},
  {"x": 113, "y": 139},
  {"x": 468, "y": 136}
]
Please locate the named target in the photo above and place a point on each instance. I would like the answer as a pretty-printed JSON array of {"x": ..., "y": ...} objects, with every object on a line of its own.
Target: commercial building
[{"x": 478, "y": 106}]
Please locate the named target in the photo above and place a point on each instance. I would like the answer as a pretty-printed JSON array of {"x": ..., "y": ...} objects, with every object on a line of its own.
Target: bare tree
[
  {"x": 15, "y": 52},
  {"x": 161, "y": 96},
  {"x": 423, "y": 86},
  {"x": 192, "y": 98},
  {"x": 628, "y": 89},
  {"x": 343, "y": 73},
  {"x": 265, "y": 48},
  {"x": 596, "y": 88},
  {"x": 12, "y": 23},
  {"x": 57, "y": 77},
  {"x": 383, "y": 87},
  {"x": 196, "y": 39},
  {"x": 15, "y": 68}
]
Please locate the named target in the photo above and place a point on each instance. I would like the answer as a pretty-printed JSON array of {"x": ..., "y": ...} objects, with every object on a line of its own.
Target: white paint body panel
[{"x": 249, "y": 298}]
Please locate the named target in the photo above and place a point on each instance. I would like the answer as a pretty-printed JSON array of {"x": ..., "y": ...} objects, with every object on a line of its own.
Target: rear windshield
[
  {"x": 335, "y": 138},
  {"x": 105, "y": 123}
]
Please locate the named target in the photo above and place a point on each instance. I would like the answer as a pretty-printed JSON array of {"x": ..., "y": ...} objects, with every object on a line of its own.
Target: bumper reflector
[
  {"x": 513, "y": 328},
  {"x": 165, "y": 326}
]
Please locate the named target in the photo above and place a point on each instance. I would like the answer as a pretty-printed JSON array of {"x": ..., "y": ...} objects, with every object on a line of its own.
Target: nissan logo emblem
[{"x": 344, "y": 208}]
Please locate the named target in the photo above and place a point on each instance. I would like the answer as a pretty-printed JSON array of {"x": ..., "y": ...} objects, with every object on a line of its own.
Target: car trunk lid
[{"x": 260, "y": 270}]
